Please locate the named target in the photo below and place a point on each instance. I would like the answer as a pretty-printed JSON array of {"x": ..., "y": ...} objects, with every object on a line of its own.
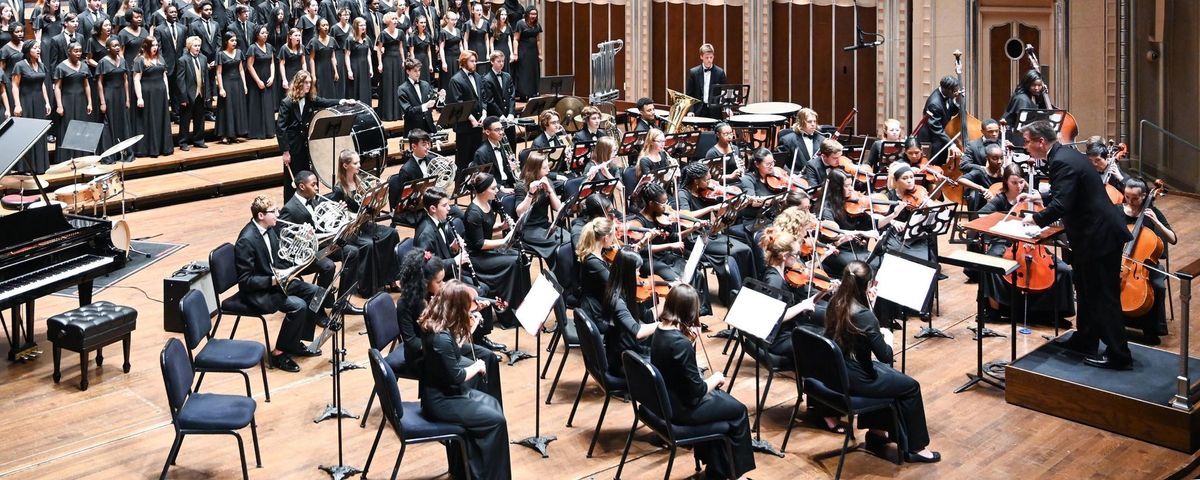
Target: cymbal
[
  {"x": 121, "y": 146},
  {"x": 74, "y": 164},
  {"x": 568, "y": 107},
  {"x": 604, "y": 117},
  {"x": 94, "y": 171},
  {"x": 23, "y": 182}
]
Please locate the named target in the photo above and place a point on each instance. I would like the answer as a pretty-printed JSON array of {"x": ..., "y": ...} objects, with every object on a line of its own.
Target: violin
[
  {"x": 649, "y": 287},
  {"x": 715, "y": 191},
  {"x": 669, "y": 217},
  {"x": 1137, "y": 294},
  {"x": 777, "y": 181},
  {"x": 933, "y": 173},
  {"x": 861, "y": 173},
  {"x": 798, "y": 277},
  {"x": 859, "y": 204},
  {"x": 915, "y": 198}
]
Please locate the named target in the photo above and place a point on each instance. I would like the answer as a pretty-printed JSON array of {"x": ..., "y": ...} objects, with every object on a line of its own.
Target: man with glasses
[
  {"x": 255, "y": 254},
  {"x": 491, "y": 153}
]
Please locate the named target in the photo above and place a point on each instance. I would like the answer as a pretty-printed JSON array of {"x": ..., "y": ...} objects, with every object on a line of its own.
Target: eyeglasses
[{"x": 273, "y": 211}]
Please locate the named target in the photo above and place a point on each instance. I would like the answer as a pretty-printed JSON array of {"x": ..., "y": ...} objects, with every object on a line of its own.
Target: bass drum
[{"x": 366, "y": 137}]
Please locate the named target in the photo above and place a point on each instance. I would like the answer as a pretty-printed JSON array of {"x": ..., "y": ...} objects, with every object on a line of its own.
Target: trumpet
[{"x": 298, "y": 245}]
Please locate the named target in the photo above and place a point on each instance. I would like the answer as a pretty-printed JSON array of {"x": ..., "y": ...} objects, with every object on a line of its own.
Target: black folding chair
[
  {"x": 218, "y": 354},
  {"x": 595, "y": 364}
]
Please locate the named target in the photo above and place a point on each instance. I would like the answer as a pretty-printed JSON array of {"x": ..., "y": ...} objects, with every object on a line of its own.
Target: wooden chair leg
[
  {"x": 57, "y": 362},
  {"x": 125, "y": 343},
  {"x": 83, "y": 370}
]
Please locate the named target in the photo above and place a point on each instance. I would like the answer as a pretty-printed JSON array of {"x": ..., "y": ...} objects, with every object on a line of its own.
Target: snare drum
[
  {"x": 367, "y": 137},
  {"x": 78, "y": 193}
]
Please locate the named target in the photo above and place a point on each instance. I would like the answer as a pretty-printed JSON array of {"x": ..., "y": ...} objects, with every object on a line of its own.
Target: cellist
[{"x": 1154, "y": 323}]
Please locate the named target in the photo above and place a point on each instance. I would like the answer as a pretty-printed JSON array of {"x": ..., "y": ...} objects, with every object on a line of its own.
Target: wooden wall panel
[
  {"x": 821, "y": 62},
  {"x": 678, "y": 30},
  {"x": 573, "y": 29},
  {"x": 865, "y": 93}
]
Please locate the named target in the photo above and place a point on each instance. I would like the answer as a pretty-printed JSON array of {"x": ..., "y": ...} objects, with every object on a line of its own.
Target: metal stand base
[
  {"x": 343, "y": 366},
  {"x": 987, "y": 332},
  {"x": 974, "y": 379},
  {"x": 763, "y": 446},
  {"x": 541, "y": 444},
  {"x": 332, "y": 411},
  {"x": 928, "y": 332},
  {"x": 338, "y": 472},
  {"x": 726, "y": 333},
  {"x": 515, "y": 356}
]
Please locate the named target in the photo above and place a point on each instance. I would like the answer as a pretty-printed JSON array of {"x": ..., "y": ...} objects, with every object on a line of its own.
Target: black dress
[
  {"x": 451, "y": 47},
  {"x": 422, "y": 48},
  {"x": 529, "y": 68},
  {"x": 74, "y": 104},
  {"x": 503, "y": 270},
  {"x": 477, "y": 41},
  {"x": 131, "y": 44},
  {"x": 447, "y": 396},
  {"x": 621, "y": 335},
  {"x": 261, "y": 104},
  {"x": 592, "y": 281},
  {"x": 851, "y": 250},
  {"x": 1040, "y": 304},
  {"x": 11, "y": 56},
  {"x": 308, "y": 29},
  {"x": 33, "y": 105},
  {"x": 233, "y": 119},
  {"x": 360, "y": 53},
  {"x": 293, "y": 61},
  {"x": 500, "y": 41},
  {"x": 376, "y": 244},
  {"x": 668, "y": 264},
  {"x": 691, "y": 403},
  {"x": 392, "y": 76},
  {"x": 323, "y": 54},
  {"x": 538, "y": 235},
  {"x": 154, "y": 118},
  {"x": 1154, "y": 322},
  {"x": 720, "y": 247},
  {"x": 119, "y": 114}
]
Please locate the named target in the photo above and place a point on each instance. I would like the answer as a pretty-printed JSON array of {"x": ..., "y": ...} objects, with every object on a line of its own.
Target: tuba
[
  {"x": 297, "y": 245},
  {"x": 680, "y": 104}
]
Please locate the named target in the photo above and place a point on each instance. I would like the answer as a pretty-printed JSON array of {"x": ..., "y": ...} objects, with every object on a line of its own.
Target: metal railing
[{"x": 1141, "y": 159}]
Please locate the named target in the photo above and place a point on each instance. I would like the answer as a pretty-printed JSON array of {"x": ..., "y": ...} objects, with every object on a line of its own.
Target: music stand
[
  {"x": 929, "y": 222},
  {"x": 410, "y": 193},
  {"x": 340, "y": 470},
  {"x": 532, "y": 314},
  {"x": 1026, "y": 116},
  {"x": 557, "y": 85},
  {"x": 581, "y": 154},
  {"x": 557, "y": 157},
  {"x": 986, "y": 265},
  {"x": 907, "y": 281},
  {"x": 332, "y": 127},
  {"x": 632, "y": 142},
  {"x": 728, "y": 96},
  {"x": 664, "y": 175},
  {"x": 82, "y": 136},
  {"x": 464, "y": 187},
  {"x": 454, "y": 113},
  {"x": 535, "y": 106},
  {"x": 682, "y": 145},
  {"x": 604, "y": 186},
  {"x": 757, "y": 311},
  {"x": 20, "y": 134}
]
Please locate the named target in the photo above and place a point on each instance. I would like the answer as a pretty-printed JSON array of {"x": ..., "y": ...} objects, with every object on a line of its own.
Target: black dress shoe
[
  {"x": 303, "y": 352},
  {"x": 912, "y": 457},
  {"x": 487, "y": 343},
  {"x": 323, "y": 321},
  {"x": 184, "y": 147},
  {"x": 876, "y": 444},
  {"x": 1104, "y": 361},
  {"x": 200, "y": 145},
  {"x": 285, "y": 363}
]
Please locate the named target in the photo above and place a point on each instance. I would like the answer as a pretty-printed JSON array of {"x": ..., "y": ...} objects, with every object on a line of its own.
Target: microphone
[{"x": 862, "y": 43}]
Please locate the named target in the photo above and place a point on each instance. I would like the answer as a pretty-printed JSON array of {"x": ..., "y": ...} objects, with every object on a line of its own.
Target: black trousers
[
  {"x": 191, "y": 122},
  {"x": 487, "y": 431},
  {"x": 300, "y": 161},
  {"x": 1098, "y": 292},
  {"x": 300, "y": 322},
  {"x": 326, "y": 269}
]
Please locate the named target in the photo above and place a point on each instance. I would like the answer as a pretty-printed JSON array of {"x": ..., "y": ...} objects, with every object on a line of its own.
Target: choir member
[
  {"x": 324, "y": 54},
  {"x": 10, "y": 56},
  {"x": 210, "y": 37},
  {"x": 341, "y": 27},
  {"x": 503, "y": 269},
  {"x": 1153, "y": 323},
  {"x": 391, "y": 69},
  {"x": 478, "y": 32},
  {"x": 71, "y": 82},
  {"x": 450, "y": 46},
  {"x": 377, "y": 242},
  {"x": 850, "y": 324},
  {"x": 255, "y": 253},
  {"x": 91, "y": 16},
  {"x": 359, "y": 72},
  {"x": 502, "y": 39},
  {"x": 536, "y": 195},
  {"x": 529, "y": 54},
  {"x": 417, "y": 99},
  {"x": 33, "y": 101},
  {"x": 308, "y": 22},
  {"x": 56, "y": 50},
  {"x": 292, "y": 59},
  {"x": 277, "y": 28},
  {"x": 501, "y": 96},
  {"x": 232, "y": 115},
  {"x": 170, "y": 36},
  {"x": 701, "y": 79},
  {"x": 467, "y": 86},
  {"x": 191, "y": 76},
  {"x": 450, "y": 391},
  {"x": 113, "y": 81},
  {"x": 133, "y": 35},
  {"x": 153, "y": 114},
  {"x": 694, "y": 399},
  {"x": 48, "y": 21},
  {"x": 262, "y": 95},
  {"x": 420, "y": 46}
]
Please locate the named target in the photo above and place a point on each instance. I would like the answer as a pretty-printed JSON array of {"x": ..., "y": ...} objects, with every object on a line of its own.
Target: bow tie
[
  {"x": 312, "y": 202},
  {"x": 708, "y": 70}
]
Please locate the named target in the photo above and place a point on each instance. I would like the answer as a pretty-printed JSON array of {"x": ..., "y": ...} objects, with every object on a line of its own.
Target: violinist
[
  {"x": 693, "y": 185},
  {"x": 853, "y": 230},
  {"x": 979, "y": 181},
  {"x": 725, "y": 148},
  {"x": 697, "y": 400},
  {"x": 975, "y": 156},
  {"x": 653, "y": 156},
  {"x": 1039, "y": 305},
  {"x": 1029, "y": 94},
  {"x": 914, "y": 152},
  {"x": 903, "y": 188},
  {"x": 667, "y": 250},
  {"x": 892, "y": 132},
  {"x": 940, "y": 107},
  {"x": 596, "y": 238},
  {"x": 1097, "y": 236},
  {"x": 783, "y": 255},
  {"x": 594, "y": 206},
  {"x": 1154, "y": 323},
  {"x": 1110, "y": 172},
  {"x": 629, "y": 325},
  {"x": 798, "y": 221},
  {"x": 503, "y": 269},
  {"x": 828, "y": 158},
  {"x": 538, "y": 197}
]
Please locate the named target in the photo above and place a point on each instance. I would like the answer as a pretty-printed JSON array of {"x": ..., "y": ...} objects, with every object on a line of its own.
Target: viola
[
  {"x": 808, "y": 246},
  {"x": 778, "y": 181},
  {"x": 1137, "y": 293},
  {"x": 649, "y": 287}
]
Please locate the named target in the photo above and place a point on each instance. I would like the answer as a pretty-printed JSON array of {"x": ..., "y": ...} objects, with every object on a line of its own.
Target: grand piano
[{"x": 44, "y": 250}]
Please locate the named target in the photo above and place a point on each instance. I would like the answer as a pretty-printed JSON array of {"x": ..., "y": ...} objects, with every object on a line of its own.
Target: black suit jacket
[
  {"x": 486, "y": 155},
  {"x": 58, "y": 48},
  {"x": 695, "y": 88},
  {"x": 501, "y": 100},
  {"x": 791, "y": 143},
  {"x": 294, "y": 210},
  {"x": 414, "y": 117},
  {"x": 88, "y": 22},
  {"x": 243, "y": 36},
  {"x": 408, "y": 172},
  {"x": 208, "y": 43},
  {"x": 461, "y": 91},
  {"x": 1093, "y": 224},
  {"x": 428, "y": 236},
  {"x": 934, "y": 133},
  {"x": 291, "y": 124},
  {"x": 266, "y": 11},
  {"x": 815, "y": 172},
  {"x": 171, "y": 49},
  {"x": 185, "y": 76},
  {"x": 253, "y": 264}
]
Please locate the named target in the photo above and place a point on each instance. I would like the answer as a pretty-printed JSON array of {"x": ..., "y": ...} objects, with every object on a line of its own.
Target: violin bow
[{"x": 812, "y": 262}]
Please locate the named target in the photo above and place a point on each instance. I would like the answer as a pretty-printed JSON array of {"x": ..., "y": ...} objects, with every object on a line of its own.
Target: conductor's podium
[{"x": 1134, "y": 403}]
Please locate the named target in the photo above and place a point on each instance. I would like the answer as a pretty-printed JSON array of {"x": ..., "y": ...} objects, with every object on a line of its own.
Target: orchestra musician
[
  {"x": 594, "y": 206},
  {"x": 491, "y": 152},
  {"x": 696, "y": 400},
  {"x": 605, "y": 164},
  {"x": 647, "y": 119},
  {"x": 376, "y": 242},
  {"x": 591, "y": 131},
  {"x": 1097, "y": 236},
  {"x": 940, "y": 107},
  {"x": 630, "y": 325},
  {"x": 725, "y": 148},
  {"x": 451, "y": 389},
  {"x": 853, "y": 230},
  {"x": 801, "y": 142},
  {"x": 782, "y": 250},
  {"x": 828, "y": 158},
  {"x": 979, "y": 180},
  {"x": 300, "y": 209},
  {"x": 721, "y": 247},
  {"x": 422, "y": 276},
  {"x": 503, "y": 269},
  {"x": 1098, "y": 153},
  {"x": 466, "y": 85},
  {"x": 595, "y": 238},
  {"x": 1154, "y": 323},
  {"x": 296, "y": 110},
  {"x": 552, "y": 130},
  {"x": 975, "y": 156},
  {"x": 850, "y": 324},
  {"x": 417, "y": 99},
  {"x": 892, "y": 132},
  {"x": 653, "y": 156},
  {"x": 416, "y": 166},
  {"x": 1029, "y": 94},
  {"x": 701, "y": 79},
  {"x": 536, "y": 195},
  {"x": 666, "y": 249},
  {"x": 255, "y": 253}
]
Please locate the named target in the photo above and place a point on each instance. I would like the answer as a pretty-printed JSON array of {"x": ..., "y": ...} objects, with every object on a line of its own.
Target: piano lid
[
  {"x": 31, "y": 224},
  {"x": 20, "y": 134}
]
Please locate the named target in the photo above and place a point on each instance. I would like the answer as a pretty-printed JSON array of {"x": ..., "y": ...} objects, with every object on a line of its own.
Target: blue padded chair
[
  {"x": 706, "y": 142},
  {"x": 202, "y": 413},
  {"x": 566, "y": 270},
  {"x": 218, "y": 355},
  {"x": 224, "y": 276},
  {"x": 629, "y": 178},
  {"x": 403, "y": 248},
  {"x": 595, "y": 364},
  {"x": 652, "y": 407},
  {"x": 820, "y": 363},
  {"x": 410, "y": 425},
  {"x": 379, "y": 315}
]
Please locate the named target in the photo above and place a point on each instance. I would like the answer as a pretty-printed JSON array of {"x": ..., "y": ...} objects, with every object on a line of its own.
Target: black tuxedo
[
  {"x": 266, "y": 12},
  {"x": 468, "y": 136},
  {"x": 253, "y": 264},
  {"x": 410, "y": 171},
  {"x": 243, "y": 34},
  {"x": 291, "y": 129},
  {"x": 1097, "y": 234},
  {"x": 171, "y": 47},
  {"x": 191, "y": 111},
  {"x": 791, "y": 143},
  {"x": 209, "y": 37},
  {"x": 486, "y": 155},
  {"x": 88, "y": 21},
  {"x": 695, "y": 88},
  {"x": 501, "y": 97},
  {"x": 583, "y": 135},
  {"x": 940, "y": 110},
  {"x": 643, "y": 125},
  {"x": 58, "y": 49},
  {"x": 815, "y": 172},
  {"x": 294, "y": 211},
  {"x": 974, "y": 155},
  {"x": 414, "y": 115},
  {"x": 436, "y": 239},
  {"x": 542, "y": 141}
]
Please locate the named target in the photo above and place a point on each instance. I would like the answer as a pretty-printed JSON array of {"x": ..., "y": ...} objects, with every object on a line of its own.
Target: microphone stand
[{"x": 340, "y": 470}]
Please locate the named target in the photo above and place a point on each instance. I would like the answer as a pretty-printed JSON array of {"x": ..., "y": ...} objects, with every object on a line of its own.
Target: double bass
[
  {"x": 964, "y": 126},
  {"x": 1069, "y": 129},
  {"x": 1137, "y": 293}
]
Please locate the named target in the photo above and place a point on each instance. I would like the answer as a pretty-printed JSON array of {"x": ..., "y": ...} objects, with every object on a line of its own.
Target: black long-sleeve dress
[
  {"x": 74, "y": 104},
  {"x": 233, "y": 116},
  {"x": 1154, "y": 322},
  {"x": 503, "y": 270},
  {"x": 447, "y": 396},
  {"x": 529, "y": 68},
  {"x": 262, "y": 103},
  {"x": 692, "y": 404},
  {"x": 621, "y": 335},
  {"x": 34, "y": 100},
  {"x": 323, "y": 55},
  {"x": 452, "y": 46},
  {"x": 154, "y": 118},
  {"x": 392, "y": 76},
  {"x": 377, "y": 245},
  {"x": 877, "y": 379},
  {"x": 538, "y": 235},
  {"x": 593, "y": 278},
  {"x": 1041, "y": 304},
  {"x": 423, "y": 49},
  {"x": 360, "y": 53},
  {"x": 118, "y": 117}
]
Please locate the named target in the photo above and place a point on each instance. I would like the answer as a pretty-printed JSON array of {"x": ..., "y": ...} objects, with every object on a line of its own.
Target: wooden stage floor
[{"x": 120, "y": 427}]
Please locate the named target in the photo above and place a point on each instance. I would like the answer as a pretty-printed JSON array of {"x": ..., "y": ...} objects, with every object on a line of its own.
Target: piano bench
[{"x": 87, "y": 328}]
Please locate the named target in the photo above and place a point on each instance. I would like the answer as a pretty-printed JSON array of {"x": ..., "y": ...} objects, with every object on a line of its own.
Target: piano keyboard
[{"x": 54, "y": 273}]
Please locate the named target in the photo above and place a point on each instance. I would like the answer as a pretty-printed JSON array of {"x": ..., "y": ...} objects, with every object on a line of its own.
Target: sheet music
[
  {"x": 905, "y": 282},
  {"x": 693, "y": 261},
  {"x": 755, "y": 313},
  {"x": 537, "y": 304},
  {"x": 1016, "y": 228}
]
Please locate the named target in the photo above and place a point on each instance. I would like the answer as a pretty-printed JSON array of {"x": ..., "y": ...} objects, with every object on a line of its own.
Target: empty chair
[
  {"x": 595, "y": 364},
  {"x": 406, "y": 418},
  {"x": 223, "y": 270},
  {"x": 566, "y": 272},
  {"x": 383, "y": 332},
  {"x": 218, "y": 355},
  {"x": 202, "y": 413}
]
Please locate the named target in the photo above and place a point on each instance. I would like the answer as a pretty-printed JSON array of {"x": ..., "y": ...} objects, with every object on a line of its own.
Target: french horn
[{"x": 298, "y": 246}]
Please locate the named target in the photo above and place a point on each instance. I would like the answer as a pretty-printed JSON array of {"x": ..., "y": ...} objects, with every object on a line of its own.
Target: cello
[
  {"x": 1137, "y": 293},
  {"x": 1069, "y": 129},
  {"x": 964, "y": 126},
  {"x": 1036, "y": 268}
]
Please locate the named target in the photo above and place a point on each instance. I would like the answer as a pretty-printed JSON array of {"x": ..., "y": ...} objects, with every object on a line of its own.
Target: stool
[{"x": 88, "y": 328}]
